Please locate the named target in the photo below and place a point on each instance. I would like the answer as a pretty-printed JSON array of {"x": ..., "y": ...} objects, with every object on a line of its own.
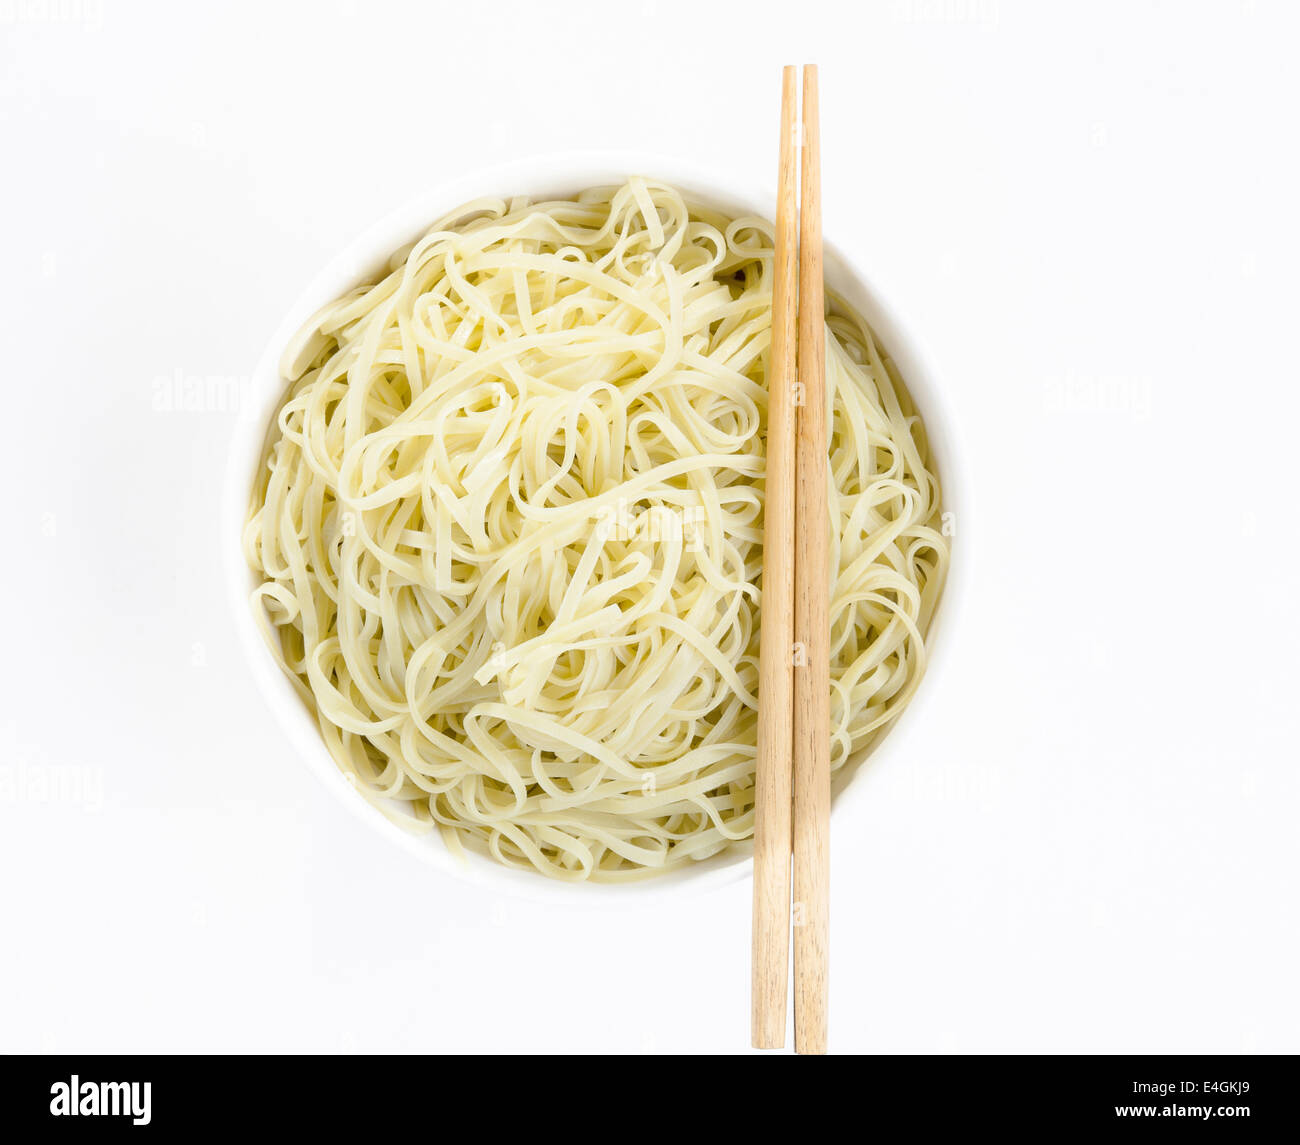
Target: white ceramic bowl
[{"x": 555, "y": 176}]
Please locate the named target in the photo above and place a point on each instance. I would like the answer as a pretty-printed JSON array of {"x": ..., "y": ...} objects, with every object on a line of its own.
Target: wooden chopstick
[
  {"x": 812, "y": 772},
  {"x": 772, "y": 810}
]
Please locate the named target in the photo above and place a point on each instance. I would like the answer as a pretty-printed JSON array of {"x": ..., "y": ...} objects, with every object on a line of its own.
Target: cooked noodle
[{"x": 509, "y": 530}]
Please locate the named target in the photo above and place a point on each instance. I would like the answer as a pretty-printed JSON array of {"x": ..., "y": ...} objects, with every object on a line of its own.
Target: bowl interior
[{"x": 366, "y": 255}]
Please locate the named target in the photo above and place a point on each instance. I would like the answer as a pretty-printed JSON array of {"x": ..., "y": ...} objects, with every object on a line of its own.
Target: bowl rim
[{"x": 562, "y": 174}]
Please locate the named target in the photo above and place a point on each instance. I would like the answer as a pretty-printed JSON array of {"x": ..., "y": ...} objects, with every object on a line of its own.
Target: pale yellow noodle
[{"x": 509, "y": 530}]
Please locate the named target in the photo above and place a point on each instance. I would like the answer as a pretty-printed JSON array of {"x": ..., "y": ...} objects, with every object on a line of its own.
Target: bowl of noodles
[{"x": 493, "y": 524}]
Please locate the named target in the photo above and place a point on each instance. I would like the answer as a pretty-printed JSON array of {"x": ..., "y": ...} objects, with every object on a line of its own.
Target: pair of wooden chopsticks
[{"x": 794, "y": 649}]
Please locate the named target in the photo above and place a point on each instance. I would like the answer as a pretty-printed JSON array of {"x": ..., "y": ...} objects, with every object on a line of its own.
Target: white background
[{"x": 1087, "y": 214}]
